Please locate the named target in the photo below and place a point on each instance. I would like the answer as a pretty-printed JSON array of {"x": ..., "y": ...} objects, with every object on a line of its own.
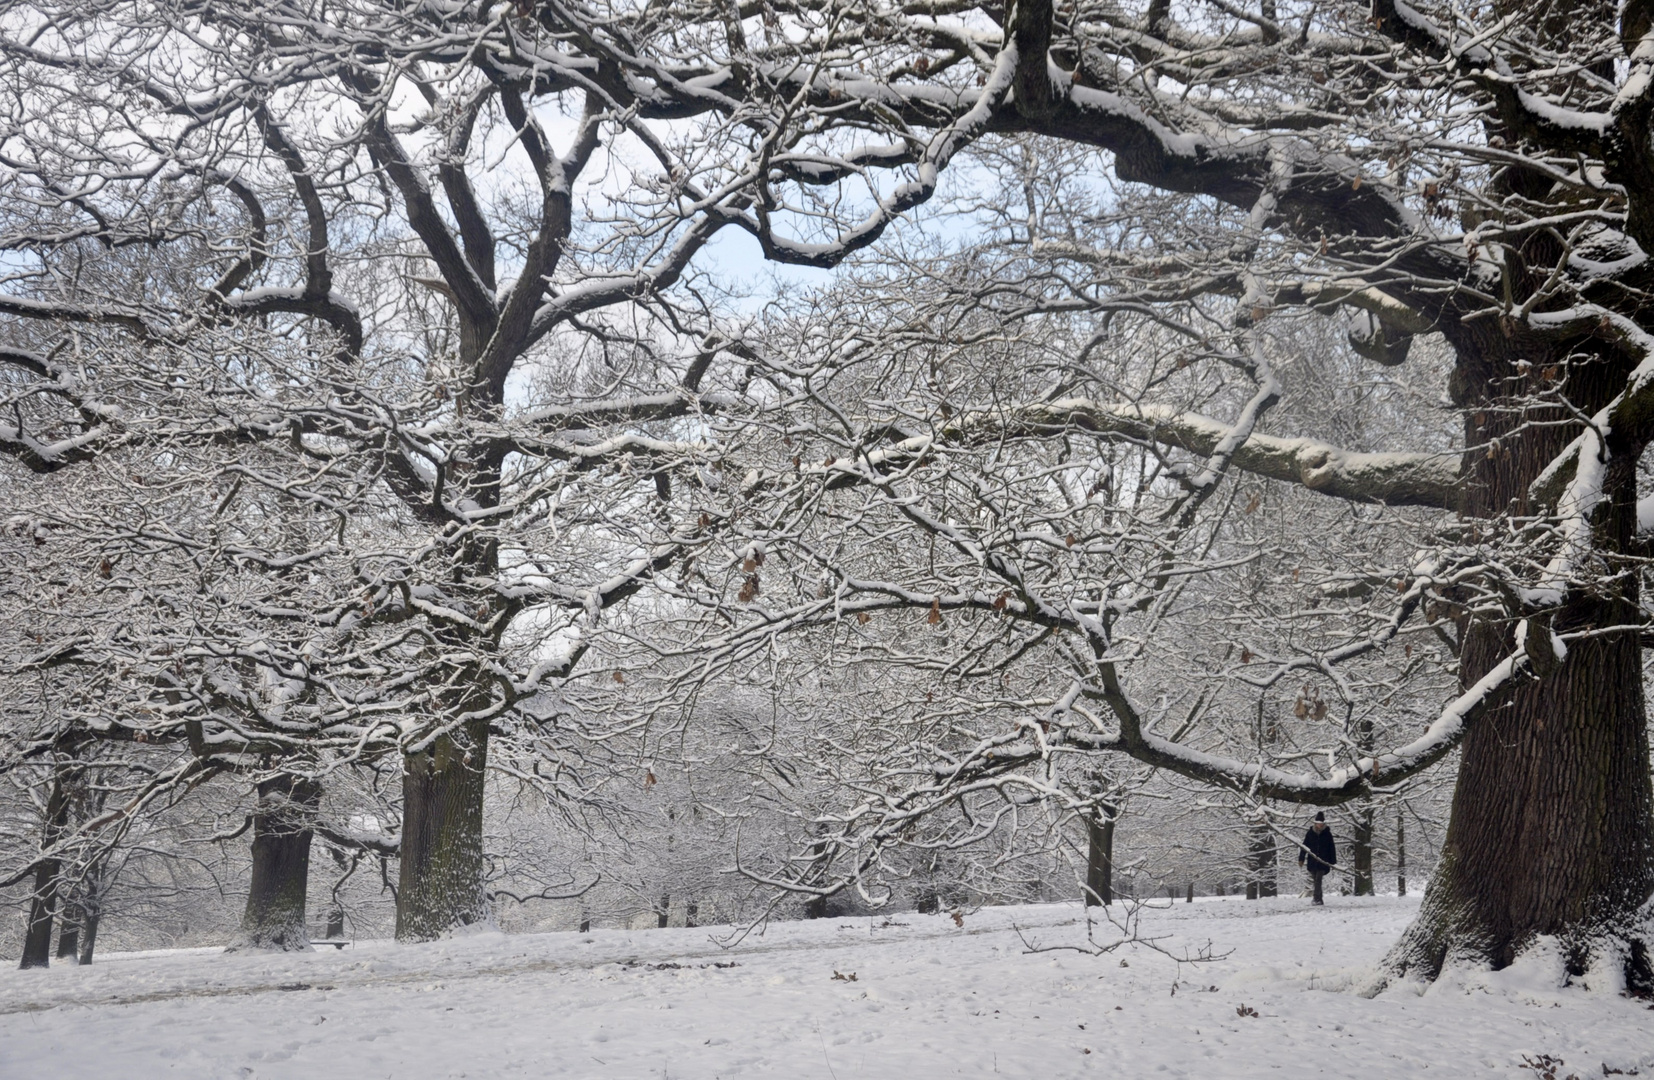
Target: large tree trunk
[
  {"x": 68, "y": 935},
  {"x": 96, "y": 882},
  {"x": 1552, "y": 829},
  {"x": 440, "y": 884},
  {"x": 1261, "y": 862},
  {"x": 276, "y": 897},
  {"x": 37, "y": 940},
  {"x": 89, "y": 934},
  {"x": 1099, "y": 865},
  {"x": 1361, "y": 821},
  {"x": 1361, "y": 848}
]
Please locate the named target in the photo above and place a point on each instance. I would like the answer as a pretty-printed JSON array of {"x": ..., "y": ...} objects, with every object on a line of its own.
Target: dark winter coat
[{"x": 1320, "y": 850}]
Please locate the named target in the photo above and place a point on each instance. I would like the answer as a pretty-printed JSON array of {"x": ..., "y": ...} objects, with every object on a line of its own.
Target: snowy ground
[{"x": 928, "y": 999}]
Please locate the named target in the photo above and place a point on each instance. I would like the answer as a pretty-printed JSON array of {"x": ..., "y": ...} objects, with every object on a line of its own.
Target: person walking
[{"x": 1318, "y": 852}]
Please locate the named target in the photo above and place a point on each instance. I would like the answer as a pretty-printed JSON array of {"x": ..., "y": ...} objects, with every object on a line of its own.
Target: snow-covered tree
[
  {"x": 1462, "y": 183},
  {"x": 1462, "y": 177},
  {"x": 357, "y": 321}
]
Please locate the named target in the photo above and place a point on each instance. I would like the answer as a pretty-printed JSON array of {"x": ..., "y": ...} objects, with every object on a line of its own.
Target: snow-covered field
[{"x": 905, "y": 996}]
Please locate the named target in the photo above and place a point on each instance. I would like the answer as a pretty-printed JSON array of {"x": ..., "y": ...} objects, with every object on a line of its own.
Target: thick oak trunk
[
  {"x": 277, "y": 895},
  {"x": 68, "y": 935},
  {"x": 37, "y": 940},
  {"x": 1099, "y": 866},
  {"x": 96, "y": 880},
  {"x": 440, "y": 884},
  {"x": 1261, "y": 862},
  {"x": 89, "y": 934},
  {"x": 1550, "y": 831},
  {"x": 1361, "y": 822},
  {"x": 1361, "y": 849},
  {"x": 1552, "y": 827}
]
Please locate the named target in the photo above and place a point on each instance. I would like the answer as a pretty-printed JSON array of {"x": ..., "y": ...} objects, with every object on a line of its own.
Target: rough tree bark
[
  {"x": 68, "y": 934},
  {"x": 1361, "y": 849},
  {"x": 96, "y": 881},
  {"x": 440, "y": 880},
  {"x": 1099, "y": 866},
  {"x": 37, "y": 941},
  {"x": 1551, "y": 833},
  {"x": 277, "y": 894},
  {"x": 1401, "y": 852},
  {"x": 1261, "y": 884},
  {"x": 1549, "y": 830},
  {"x": 1552, "y": 827},
  {"x": 89, "y": 934},
  {"x": 1361, "y": 821}
]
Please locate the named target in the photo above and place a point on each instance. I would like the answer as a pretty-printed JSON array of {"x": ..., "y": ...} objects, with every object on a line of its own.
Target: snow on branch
[{"x": 1396, "y": 479}]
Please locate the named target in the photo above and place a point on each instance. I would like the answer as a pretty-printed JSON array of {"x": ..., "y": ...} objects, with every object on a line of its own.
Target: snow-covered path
[{"x": 928, "y": 999}]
